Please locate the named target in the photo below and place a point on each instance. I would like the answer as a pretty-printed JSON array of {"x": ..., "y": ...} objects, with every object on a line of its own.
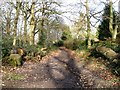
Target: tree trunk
[
  {"x": 88, "y": 25},
  {"x": 118, "y": 29},
  {"x": 118, "y": 38},
  {"x": 114, "y": 36},
  {"x": 26, "y": 15},
  {"x": 113, "y": 31},
  {"x": 111, "y": 18},
  {"x": 25, "y": 29},
  {"x": 32, "y": 23},
  {"x": 20, "y": 37},
  {"x": 8, "y": 23},
  {"x": 107, "y": 52},
  {"x": 41, "y": 32},
  {"x": 15, "y": 23}
]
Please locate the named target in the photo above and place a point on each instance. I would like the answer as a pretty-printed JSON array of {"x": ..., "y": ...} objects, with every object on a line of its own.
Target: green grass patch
[{"x": 13, "y": 76}]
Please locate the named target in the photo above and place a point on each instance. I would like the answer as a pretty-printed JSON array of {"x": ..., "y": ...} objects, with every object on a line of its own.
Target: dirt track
[{"x": 58, "y": 70}]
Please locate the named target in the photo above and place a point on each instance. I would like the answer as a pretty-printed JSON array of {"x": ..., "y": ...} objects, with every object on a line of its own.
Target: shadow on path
[
  {"x": 59, "y": 70},
  {"x": 64, "y": 72}
]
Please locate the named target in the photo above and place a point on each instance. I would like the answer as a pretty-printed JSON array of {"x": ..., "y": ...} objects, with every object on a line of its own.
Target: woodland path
[{"x": 57, "y": 70}]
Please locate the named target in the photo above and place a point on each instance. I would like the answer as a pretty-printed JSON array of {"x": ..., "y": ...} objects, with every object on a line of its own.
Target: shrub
[
  {"x": 32, "y": 49},
  {"x": 15, "y": 60},
  {"x": 59, "y": 43},
  {"x": 6, "y": 45},
  {"x": 75, "y": 44}
]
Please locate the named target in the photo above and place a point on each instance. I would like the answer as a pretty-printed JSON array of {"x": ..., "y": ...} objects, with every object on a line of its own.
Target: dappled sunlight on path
[{"x": 59, "y": 69}]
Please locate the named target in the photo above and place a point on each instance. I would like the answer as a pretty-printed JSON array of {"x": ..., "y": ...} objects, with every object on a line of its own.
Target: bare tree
[
  {"x": 8, "y": 19},
  {"x": 32, "y": 23},
  {"x": 26, "y": 14},
  {"x": 16, "y": 21},
  {"x": 88, "y": 25},
  {"x": 48, "y": 11}
]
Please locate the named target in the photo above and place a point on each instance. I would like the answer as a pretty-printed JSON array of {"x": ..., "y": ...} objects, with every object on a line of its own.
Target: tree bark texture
[
  {"x": 88, "y": 25},
  {"x": 15, "y": 23},
  {"x": 32, "y": 23}
]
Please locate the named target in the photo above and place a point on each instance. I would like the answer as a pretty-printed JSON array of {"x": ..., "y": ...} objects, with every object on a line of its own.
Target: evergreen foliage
[{"x": 103, "y": 30}]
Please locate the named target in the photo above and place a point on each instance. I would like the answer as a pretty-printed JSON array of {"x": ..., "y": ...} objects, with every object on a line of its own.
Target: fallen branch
[{"x": 107, "y": 52}]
